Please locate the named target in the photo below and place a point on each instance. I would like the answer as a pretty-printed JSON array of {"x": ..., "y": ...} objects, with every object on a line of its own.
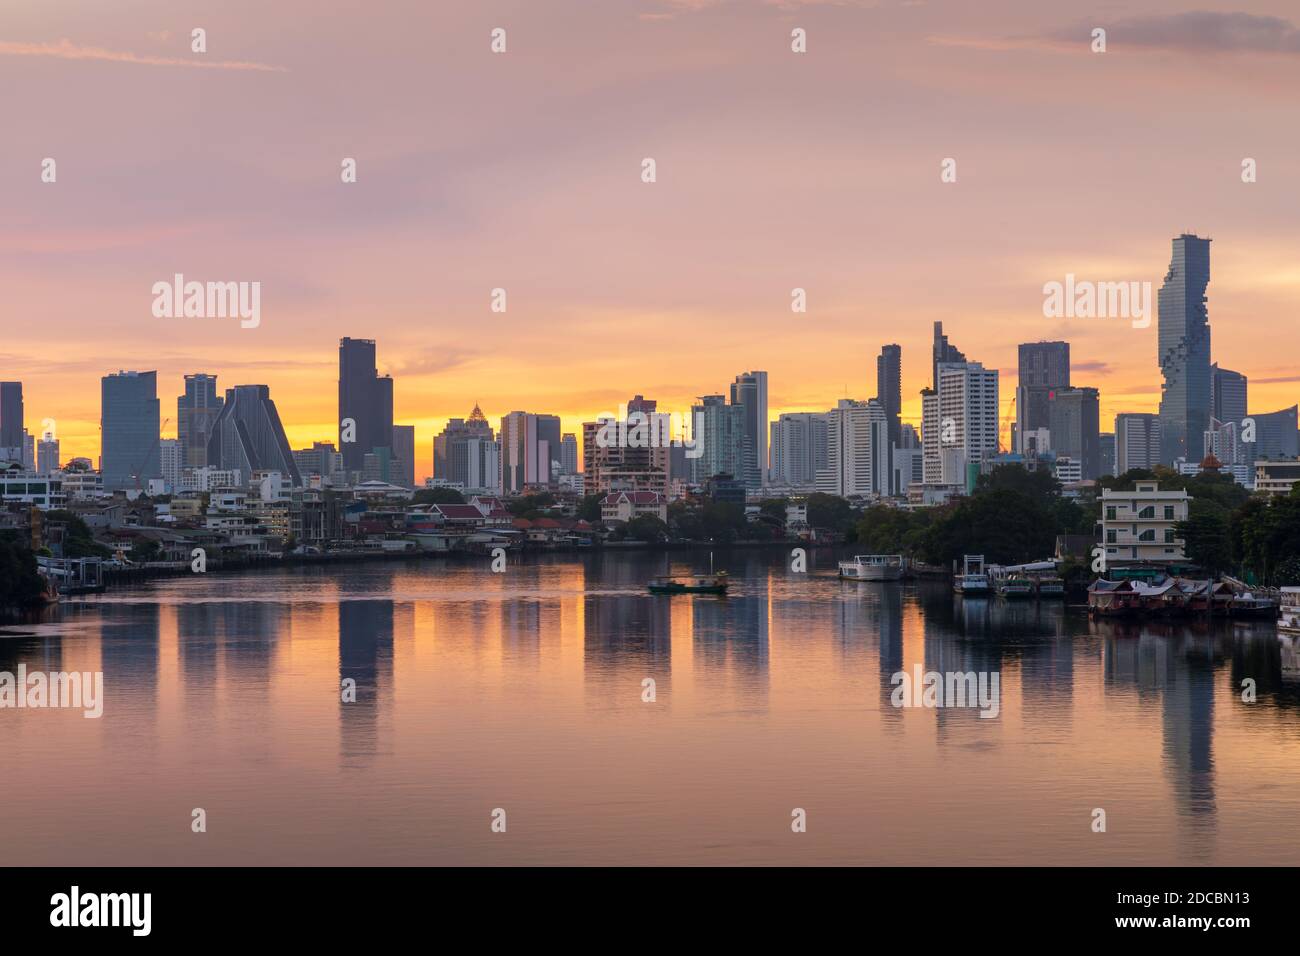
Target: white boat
[
  {"x": 973, "y": 581},
  {"x": 873, "y": 567},
  {"x": 1290, "y": 608}
]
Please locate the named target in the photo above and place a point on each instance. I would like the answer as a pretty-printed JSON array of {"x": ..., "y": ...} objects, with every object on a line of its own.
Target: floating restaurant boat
[
  {"x": 1112, "y": 598},
  {"x": 1049, "y": 586},
  {"x": 1290, "y": 608},
  {"x": 873, "y": 567},
  {"x": 973, "y": 581},
  {"x": 704, "y": 584},
  {"x": 1015, "y": 588}
]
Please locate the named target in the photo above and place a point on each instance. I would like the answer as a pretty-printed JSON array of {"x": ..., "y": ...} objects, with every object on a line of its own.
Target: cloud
[
  {"x": 67, "y": 50},
  {"x": 1200, "y": 32}
]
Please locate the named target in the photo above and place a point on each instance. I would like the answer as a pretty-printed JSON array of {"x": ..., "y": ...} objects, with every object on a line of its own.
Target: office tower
[
  {"x": 719, "y": 433},
  {"x": 1044, "y": 367},
  {"x": 889, "y": 386},
  {"x": 47, "y": 454},
  {"x": 548, "y": 434},
  {"x": 1227, "y": 394},
  {"x": 170, "y": 462},
  {"x": 247, "y": 436},
  {"x": 29, "y": 451},
  {"x": 959, "y": 422},
  {"x": 1073, "y": 422},
  {"x": 128, "y": 422},
  {"x": 1184, "y": 351},
  {"x": 1137, "y": 441},
  {"x": 321, "y": 460},
  {"x": 798, "y": 443},
  {"x": 456, "y": 460},
  {"x": 525, "y": 457},
  {"x": 403, "y": 464},
  {"x": 1045, "y": 363},
  {"x": 196, "y": 413},
  {"x": 749, "y": 391},
  {"x": 367, "y": 399},
  {"x": 568, "y": 454},
  {"x": 942, "y": 353},
  {"x": 857, "y": 450},
  {"x": 11, "y": 421},
  {"x": 1107, "y": 453},
  {"x": 1275, "y": 435},
  {"x": 1223, "y": 441}
]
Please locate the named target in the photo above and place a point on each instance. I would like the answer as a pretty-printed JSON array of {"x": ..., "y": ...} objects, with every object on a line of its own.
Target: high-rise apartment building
[
  {"x": 1044, "y": 368},
  {"x": 959, "y": 423},
  {"x": 857, "y": 450},
  {"x": 526, "y": 450},
  {"x": 1073, "y": 422},
  {"x": 942, "y": 353},
  {"x": 798, "y": 449},
  {"x": 749, "y": 391},
  {"x": 721, "y": 439},
  {"x": 889, "y": 387},
  {"x": 402, "y": 466},
  {"x": 1137, "y": 441}
]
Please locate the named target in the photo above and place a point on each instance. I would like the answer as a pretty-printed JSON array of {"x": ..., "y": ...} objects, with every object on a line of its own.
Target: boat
[
  {"x": 1247, "y": 605},
  {"x": 1049, "y": 586},
  {"x": 973, "y": 581},
  {"x": 1015, "y": 588},
  {"x": 702, "y": 584},
  {"x": 1290, "y": 608},
  {"x": 1112, "y": 598},
  {"x": 873, "y": 567}
]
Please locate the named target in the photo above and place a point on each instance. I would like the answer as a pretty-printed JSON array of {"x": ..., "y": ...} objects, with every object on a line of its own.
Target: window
[
  {"x": 1110, "y": 537},
  {"x": 1169, "y": 512},
  {"x": 1169, "y": 536},
  {"x": 1148, "y": 513},
  {"x": 1148, "y": 535},
  {"x": 1110, "y": 512}
]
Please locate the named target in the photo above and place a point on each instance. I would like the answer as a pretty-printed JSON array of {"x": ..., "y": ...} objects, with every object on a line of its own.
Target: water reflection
[{"x": 455, "y": 685}]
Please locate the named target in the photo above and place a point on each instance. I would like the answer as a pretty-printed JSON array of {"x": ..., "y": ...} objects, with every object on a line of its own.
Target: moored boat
[
  {"x": 973, "y": 581},
  {"x": 873, "y": 567},
  {"x": 1015, "y": 588},
  {"x": 1290, "y": 610},
  {"x": 1049, "y": 587}
]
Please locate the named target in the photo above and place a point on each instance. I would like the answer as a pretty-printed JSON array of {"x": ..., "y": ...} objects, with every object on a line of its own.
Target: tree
[
  {"x": 830, "y": 512},
  {"x": 21, "y": 584},
  {"x": 648, "y": 528},
  {"x": 438, "y": 496},
  {"x": 1006, "y": 526},
  {"x": 144, "y": 550},
  {"x": 589, "y": 508},
  {"x": 78, "y": 542},
  {"x": 1205, "y": 536}
]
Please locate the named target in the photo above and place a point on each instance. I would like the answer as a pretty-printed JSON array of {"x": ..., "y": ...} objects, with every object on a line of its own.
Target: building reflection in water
[{"x": 366, "y": 657}]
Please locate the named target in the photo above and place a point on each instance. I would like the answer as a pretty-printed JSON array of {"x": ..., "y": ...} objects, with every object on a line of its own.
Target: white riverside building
[{"x": 1138, "y": 525}]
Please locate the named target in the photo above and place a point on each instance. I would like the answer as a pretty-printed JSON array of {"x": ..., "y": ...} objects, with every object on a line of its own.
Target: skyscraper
[
  {"x": 798, "y": 449},
  {"x": 1137, "y": 441},
  {"x": 857, "y": 450},
  {"x": 196, "y": 413},
  {"x": 719, "y": 431},
  {"x": 889, "y": 386},
  {"x": 129, "y": 422},
  {"x": 959, "y": 422},
  {"x": 47, "y": 454},
  {"x": 1184, "y": 351},
  {"x": 367, "y": 399},
  {"x": 1275, "y": 435},
  {"x": 1073, "y": 421},
  {"x": 1044, "y": 367},
  {"x": 1227, "y": 394},
  {"x": 248, "y": 436},
  {"x": 941, "y": 353},
  {"x": 568, "y": 454},
  {"x": 11, "y": 421},
  {"x": 403, "y": 464},
  {"x": 526, "y": 450},
  {"x": 749, "y": 391},
  {"x": 454, "y": 449}
]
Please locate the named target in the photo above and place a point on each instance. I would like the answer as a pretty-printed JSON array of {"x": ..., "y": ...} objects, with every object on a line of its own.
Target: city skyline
[{"x": 501, "y": 193}]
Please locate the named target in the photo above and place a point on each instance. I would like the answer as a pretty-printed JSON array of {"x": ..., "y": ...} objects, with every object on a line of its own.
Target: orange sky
[{"x": 522, "y": 170}]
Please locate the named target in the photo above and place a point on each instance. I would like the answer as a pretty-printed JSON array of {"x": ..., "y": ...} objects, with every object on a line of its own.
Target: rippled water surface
[{"x": 523, "y": 691}]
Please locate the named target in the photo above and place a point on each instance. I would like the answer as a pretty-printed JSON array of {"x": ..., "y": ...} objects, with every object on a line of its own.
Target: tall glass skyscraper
[
  {"x": 749, "y": 390},
  {"x": 196, "y": 414},
  {"x": 1184, "y": 352},
  {"x": 11, "y": 421},
  {"x": 129, "y": 421},
  {"x": 367, "y": 399}
]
